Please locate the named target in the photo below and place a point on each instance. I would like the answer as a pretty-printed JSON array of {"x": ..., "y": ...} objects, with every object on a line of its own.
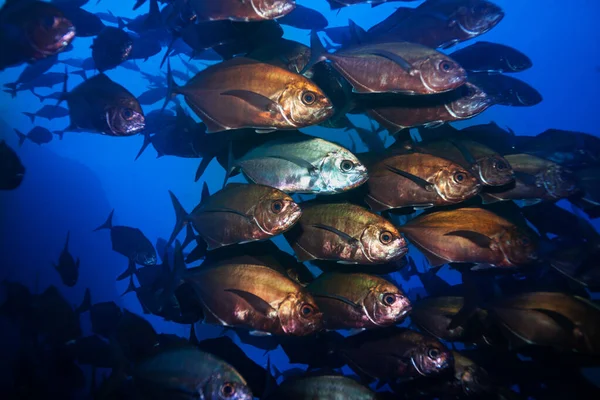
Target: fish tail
[
  {"x": 202, "y": 167},
  {"x": 65, "y": 92},
  {"x": 67, "y": 240},
  {"x": 131, "y": 287},
  {"x": 81, "y": 73},
  {"x": 145, "y": 144},
  {"x": 108, "y": 224},
  {"x": 130, "y": 271},
  {"x": 172, "y": 87},
  {"x": 181, "y": 217},
  {"x": 40, "y": 97},
  {"x": 318, "y": 53},
  {"x": 12, "y": 89},
  {"x": 31, "y": 116},
  {"x": 189, "y": 236},
  {"x": 230, "y": 161},
  {"x": 86, "y": 304},
  {"x": 22, "y": 137},
  {"x": 120, "y": 23}
]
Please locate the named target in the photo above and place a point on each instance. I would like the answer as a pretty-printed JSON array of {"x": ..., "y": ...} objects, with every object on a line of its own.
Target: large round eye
[
  {"x": 386, "y": 237},
  {"x": 309, "y": 98},
  {"x": 48, "y": 21},
  {"x": 227, "y": 390},
  {"x": 127, "y": 113},
  {"x": 524, "y": 241},
  {"x": 460, "y": 177},
  {"x": 433, "y": 353},
  {"x": 446, "y": 66},
  {"x": 277, "y": 206},
  {"x": 347, "y": 165},
  {"x": 500, "y": 165},
  {"x": 389, "y": 299},
  {"x": 307, "y": 310}
]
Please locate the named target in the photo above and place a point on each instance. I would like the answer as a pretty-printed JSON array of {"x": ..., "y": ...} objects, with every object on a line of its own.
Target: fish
[
  {"x": 238, "y": 213},
  {"x": 536, "y": 179},
  {"x": 393, "y": 67},
  {"x": 466, "y": 102},
  {"x": 105, "y": 317},
  {"x": 152, "y": 96},
  {"x": 38, "y": 135},
  {"x": 103, "y": 106},
  {"x": 87, "y": 23},
  {"x": 55, "y": 317},
  {"x": 576, "y": 260},
  {"x": 32, "y": 72},
  {"x": 589, "y": 197},
  {"x": 418, "y": 180},
  {"x": 283, "y": 53},
  {"x": 302, "y": 164},
  {"x": 48, "y": 80},
  {"x": 337, "y": 4},
  {"x": 187, "y": 372},
  {"x": 243, "y": 93},
  {"x": 345, "y": 233},
  {"x": 111, "y": 48},
  {"x": 32, "y": 31},
  {"x": 254, "y": 297},
  {"x": 325, "y": 387},
  {"x": 358, "y": 301},
  {"x": 471, "y": 235},
  {"x": 490, "y": 168},
  {"x": 488, "y": 57},
  {"x": 393, "y": 353},
  {"x": 235, "y": 10},
  {"x": 506, "y": 90},
  {"x": 67, "y": 267},
  {"x": 48, "y": 112},
  {"x": 130, "y": 242},
  {"x": 306, "y": 18},
  {"x": 12, "y": 170}
]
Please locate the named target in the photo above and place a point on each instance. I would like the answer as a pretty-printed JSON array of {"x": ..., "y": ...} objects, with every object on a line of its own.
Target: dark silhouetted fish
[
  {"x": 33, "y": 71},
  {"x": 38, "y": 135},
  {"x": 47, "y": 80},
  {"x": 67, "y": 267},
  {"x": 12, "y": 170},
  {"x": 304, "y": 18},
  {"x": 110, "y": 48},
  {"x": 86, "y": 23},
  {"x": 235, "y": 10},
  {"x": 48, "y": 112},
  {"x": 491, "y": 58},
  {"x": 506, "y": 90}
]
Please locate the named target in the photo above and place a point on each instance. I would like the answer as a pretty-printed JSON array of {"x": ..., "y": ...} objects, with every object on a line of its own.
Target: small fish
[
  {"x": 38, "y": 135},
  {"x": 235, "y": 10},
  {"x": 506, "y": 90},
  {"x": 111, "y": 48},
  {"x": 12, "y": 170},
  {"x": 48, "y": 112},
  {"x": 487, "y": 57},
  {"x": 304, "y": 18},
  {"x": 67, "y": 266}
]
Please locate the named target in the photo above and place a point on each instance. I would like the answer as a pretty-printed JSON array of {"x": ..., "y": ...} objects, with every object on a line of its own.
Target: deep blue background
[{"x": 73, "y": 184}]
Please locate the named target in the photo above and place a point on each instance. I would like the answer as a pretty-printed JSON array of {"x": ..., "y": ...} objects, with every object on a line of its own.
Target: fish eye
[
  {"x": 446, "y": 66},
  {"x": 227, "y": 390},
  {"x": 524, "y": 241},
  {"x": 309, "y": 98},
  {"x": 48, "y": 21},
  {"x": 433, "y": 353},
  {"x": 389, "y": 299},
  {"x": 386, "y": 237},
  {"x": 347, "y": 165},
  {"x": 306, "y": 310},
  {"x": 459, "y": 177},
  {"x": 127, "y": 113},
  {"x": 500, "y": 165},
  {"x": 277, "y": 206}
]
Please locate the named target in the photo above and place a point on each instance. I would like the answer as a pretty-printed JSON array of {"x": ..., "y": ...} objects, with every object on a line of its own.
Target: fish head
[
  {"x": 440, "y": 73},
  {"x": 386, "y": 304},
  {"x": 455, "y": 184},
  {"x": 49, "y": 31},
  {"x": 473, "y": 101},
  {"x": 341, "y": 170},
  {"x": 276, "y": 212},
  {"x": 220, "y": 389},
  {"x": 303, "y": 103},
  {"x": 473, "y": 379},
  {"x": 559, "y": 182},
  {"x": 124, "y": 120},
  {"x": 431, "y": 357},
  {"x": 476, "y": 17},
  {"x": 519, "y": 246},
  {"x": 299, "y": 314},
  {"x": 271, "y": 9},
  {"x": 494, "y": 170},
  {"x": 381, "y": 242}
]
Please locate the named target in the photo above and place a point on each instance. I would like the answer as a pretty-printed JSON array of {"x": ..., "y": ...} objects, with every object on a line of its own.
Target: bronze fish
[
  {"x": 345, "y": 233},
  {"x": 245, "y": 10},
  {"x": 356, "y": 300},
  {"x": 418, "y": 180},
  {"x": 244, "y": 93},
  {"x": 254, "y": 297},
  {"x": 471, "y": 235},
  {"x": 239, "y": 213},
  {"x": 325, "y": 387}
]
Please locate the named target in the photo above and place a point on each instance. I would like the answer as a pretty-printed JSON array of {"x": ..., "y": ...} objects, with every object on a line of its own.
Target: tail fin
[
  {"x": 229, "y": 167},
  {"x": 189, "y": 236},
  {"x": 359, "y": 35},
  {"x": 172, "y": 87},
  {"x": 31, "y": 116},
  {"x": 108, "y": 224},
  {"x": 130, "y": 271},
  {"x": 131, "y": 287},
  {"x": 22, "y": 137},
  {"x": 86, "y": 304},
  {"x": 12, "y": 89},
  {"x": 63, "y": 96},
  {"x": 81, "y": 73},
  {"x": 202, "y": 167},
  {"x": 205, "y": 193},
  {"x": 120, "y": 23},
  {"x": 180, "y": 218},
  {"x": 318, "y": 53},
  {"x": 39, "y": 96},
  {"x": 145, "y": 144},
  {"x": 67, "y": 241}
]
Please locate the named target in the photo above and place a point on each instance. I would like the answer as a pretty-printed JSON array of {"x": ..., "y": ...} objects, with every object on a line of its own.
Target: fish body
[
  {"x": 38, "y": 135},
  {"x": 418, "y": 180},
  {"x": 471, "y": 235},
  {"x": 111, "y": 48},
  {"x": 67, "y": 266},
  {"x": 245, "y": 11},
  {"x": 326, "y": 387},
  {"x": 345, "y": 233},
  {"x": 255, "y": 297},
  {"x": 487, "y": 57},
  {"x": 506, "y": 90}
]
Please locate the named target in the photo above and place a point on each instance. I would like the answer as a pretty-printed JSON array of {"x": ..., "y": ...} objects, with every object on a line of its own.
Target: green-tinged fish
[
  {"x": 345, "y": 233},
  {"x": 393, "y": 353},
  {"x": 188, "y": 373},
  {"x": 490, "y": 168},
  {"x": 418, "y": 180},
  {"x": 551, "y": 319},
  {"x": 244, "y": 93},
  {"x": 326, "y": 387},
  {"x": 536, "y": 179},
  {"x": 471, "y": 235},
  {"x": 303, "y": 164},
  {"x": 239, "y": 214},
  {"x": 254, "y": 297},
  {"x": 356, "y": 300}
]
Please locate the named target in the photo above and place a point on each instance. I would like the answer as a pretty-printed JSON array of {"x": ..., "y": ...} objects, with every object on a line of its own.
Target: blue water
[{"x": 73, "y": 184}]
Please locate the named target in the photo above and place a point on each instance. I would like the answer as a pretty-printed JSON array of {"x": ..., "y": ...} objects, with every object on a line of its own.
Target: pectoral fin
[
  {"x": 479, "y": 239},
  {"x": 226, "y": 210},
  {"x": 338, "y": 298},
  {"x": 256, "y": 302},
  {"x": 419, "y": 181},
  {"x": 394, "y": 58},
  {"x": 341, "y": 234},
  {"x": 255, "y": 99},
  {"x": 299, "y": 162}
]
